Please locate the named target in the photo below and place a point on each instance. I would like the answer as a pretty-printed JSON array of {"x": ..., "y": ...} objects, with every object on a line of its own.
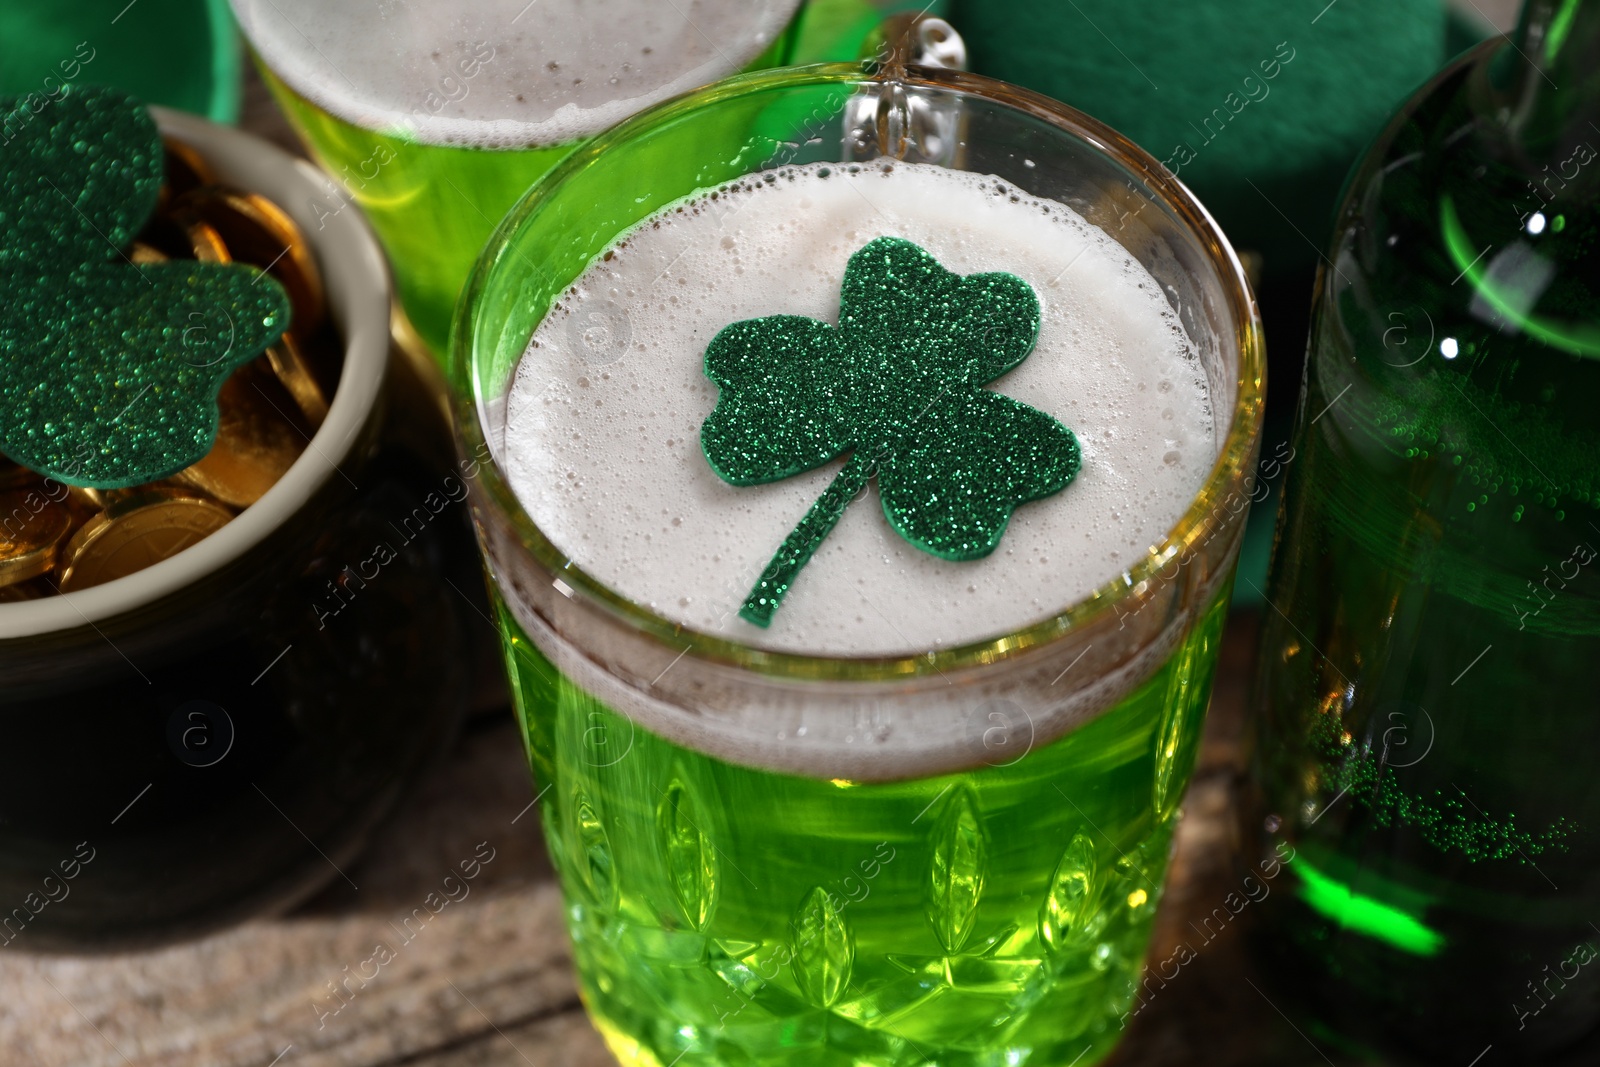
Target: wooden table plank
[{"x": 497, "y": 957}]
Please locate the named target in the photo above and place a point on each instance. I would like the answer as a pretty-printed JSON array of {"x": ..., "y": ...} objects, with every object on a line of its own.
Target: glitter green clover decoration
[
  {"x": 897, "y": 385},
  {"x": 109, "y": 371}
]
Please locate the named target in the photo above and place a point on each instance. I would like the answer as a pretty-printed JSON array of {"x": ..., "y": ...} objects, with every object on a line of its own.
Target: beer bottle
[{"x": 1427, "y": 707}]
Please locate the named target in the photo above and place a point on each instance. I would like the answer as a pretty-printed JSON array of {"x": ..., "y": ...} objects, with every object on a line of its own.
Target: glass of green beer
[
  {"x": 436, "y": 117},
  {"x": 924, "y": 816}
]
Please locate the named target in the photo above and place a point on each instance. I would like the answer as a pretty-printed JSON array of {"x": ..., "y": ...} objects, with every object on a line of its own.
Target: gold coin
[
  {"x": 31, "y": 527},
  {"x": 183, "y": 236},
  {"x": 137, "y": 532},
  {"x": 186, "y": 170},
  {"x": 204, "y": 240},
  {"x": 255, "y": 444},
  {"x": 175, "y": 484},
  {"x": 146, "y": 253},
  {"x": 290, "y": 367},
  {"x": 86, "y": 498},
  {"x": 255, "y": 230}
]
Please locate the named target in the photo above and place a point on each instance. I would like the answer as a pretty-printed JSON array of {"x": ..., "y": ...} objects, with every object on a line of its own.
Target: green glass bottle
[{"x": 1428, "y": 702}]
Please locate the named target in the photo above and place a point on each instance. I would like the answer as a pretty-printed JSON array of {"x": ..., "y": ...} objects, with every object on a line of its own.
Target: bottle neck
[{"x": 1543, "y": 84}]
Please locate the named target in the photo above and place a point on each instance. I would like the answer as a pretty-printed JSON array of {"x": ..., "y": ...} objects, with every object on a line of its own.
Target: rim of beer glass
[{"x": 1199, "y": 522}]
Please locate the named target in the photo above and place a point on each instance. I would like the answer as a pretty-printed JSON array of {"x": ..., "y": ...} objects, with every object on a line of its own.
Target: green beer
[
  {"x": 751, "y": 916},
  {"x": 1427, "y": 692},
  {"x": 435, "y": 167},
  {"x": 436, "y": 121},
  {"x": 922, "y": 819}
]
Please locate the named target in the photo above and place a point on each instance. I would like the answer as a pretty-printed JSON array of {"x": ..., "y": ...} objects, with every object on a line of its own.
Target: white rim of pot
[{"x": 357, "y": 282}]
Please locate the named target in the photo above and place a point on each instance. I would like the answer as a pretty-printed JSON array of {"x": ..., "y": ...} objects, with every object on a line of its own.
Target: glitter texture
[
  {"x": 897, "y": 384},
  {"x": 1449, "y": 821},
  {"x": 108, "y": 371}
]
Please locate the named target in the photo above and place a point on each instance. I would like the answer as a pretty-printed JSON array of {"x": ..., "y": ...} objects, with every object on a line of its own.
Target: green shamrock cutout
[
  {"x": 108, "y": 371},
  {"x": 898, "y": 385}
]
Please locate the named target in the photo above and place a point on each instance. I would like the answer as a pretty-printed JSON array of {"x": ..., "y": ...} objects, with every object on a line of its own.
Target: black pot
[{"x": 214, "y": 737}]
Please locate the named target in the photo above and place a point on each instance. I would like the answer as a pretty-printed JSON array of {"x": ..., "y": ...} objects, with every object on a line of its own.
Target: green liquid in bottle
[{"x": 1428, "y": 693}]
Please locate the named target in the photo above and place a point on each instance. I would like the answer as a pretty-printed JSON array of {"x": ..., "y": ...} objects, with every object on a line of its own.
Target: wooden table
[{"x": 488, "y": 981}]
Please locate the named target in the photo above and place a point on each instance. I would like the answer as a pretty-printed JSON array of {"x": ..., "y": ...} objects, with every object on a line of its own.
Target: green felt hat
[{"x": 1260, "y": 106}]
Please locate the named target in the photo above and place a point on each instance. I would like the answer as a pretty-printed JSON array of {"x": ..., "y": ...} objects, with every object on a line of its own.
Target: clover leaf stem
[{"x": 804, "y": 540}]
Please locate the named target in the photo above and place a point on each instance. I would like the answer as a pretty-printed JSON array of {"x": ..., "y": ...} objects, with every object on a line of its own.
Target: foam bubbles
[
  {"x": 504, "y": 73},
  {"x": 606, "y": 457}
]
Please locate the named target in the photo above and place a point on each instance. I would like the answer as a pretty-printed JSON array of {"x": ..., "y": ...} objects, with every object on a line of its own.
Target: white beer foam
[
  {"x": 603, "y": 423},
  {"x": 504, "y": 73}
]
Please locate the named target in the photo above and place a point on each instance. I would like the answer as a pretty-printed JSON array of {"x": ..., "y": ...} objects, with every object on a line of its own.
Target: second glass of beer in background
[
  {"x": 925, "y": 815},
  {"x": 436, "y": 117}
]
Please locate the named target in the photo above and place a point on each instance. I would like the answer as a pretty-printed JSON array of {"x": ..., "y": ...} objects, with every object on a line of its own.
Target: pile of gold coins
[{"x": 56, "y": 538}]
